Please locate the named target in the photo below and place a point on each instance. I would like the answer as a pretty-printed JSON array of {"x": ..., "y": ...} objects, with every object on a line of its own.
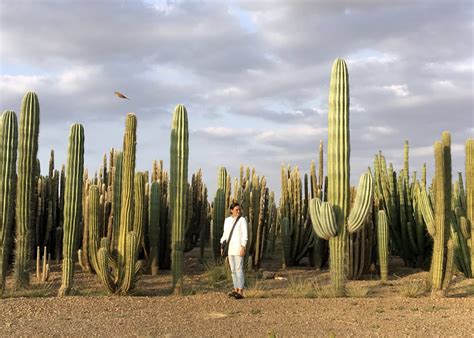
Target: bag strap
[{"x": 232, "y": 231}]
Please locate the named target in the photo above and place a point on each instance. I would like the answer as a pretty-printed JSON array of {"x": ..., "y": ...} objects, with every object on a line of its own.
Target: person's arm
[
  {"x": 224, "y": 233},
  {"x": 243, "y": 236}
]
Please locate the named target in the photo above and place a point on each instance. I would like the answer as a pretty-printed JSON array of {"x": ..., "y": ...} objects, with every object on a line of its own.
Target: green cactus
[
  {"x": 219, "y": 212},
  {"x": 179, "y": 151},
  {"x": 72, "y": 204},
  {"x": 120, "y": 274},
  {"x": 116, "y": 198},
  {"x": 27, "y": 150},
  {"x": 443, "y": 248},
  {"x": 470, "y": 197},
  {"x": 154, "y": 225},
  {"x": 382, "y": 244},
  {"x": 294, "y": 208},
  {"x": 338, "y": 179},
  {"x": 93, "y": 220},
  {"x": 8, "y": 151}
]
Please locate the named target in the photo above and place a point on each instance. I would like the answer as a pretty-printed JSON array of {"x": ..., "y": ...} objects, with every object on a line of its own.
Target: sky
[{"x": 253, "y": 75}]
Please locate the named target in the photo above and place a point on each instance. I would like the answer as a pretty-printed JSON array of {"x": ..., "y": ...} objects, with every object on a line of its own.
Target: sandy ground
[{"x": 283, "y": 307}]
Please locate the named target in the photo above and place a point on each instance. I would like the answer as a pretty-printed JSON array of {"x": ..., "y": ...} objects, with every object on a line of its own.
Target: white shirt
[{"x": 239, "y": 236}]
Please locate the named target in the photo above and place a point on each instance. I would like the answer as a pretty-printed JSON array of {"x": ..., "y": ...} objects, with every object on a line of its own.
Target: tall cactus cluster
[
  {"x": 121, "y": 223},
  {"x": 398, "y": 195},
  {"x": 297, "y": 235},
  {"x": 258, "y": 207}
]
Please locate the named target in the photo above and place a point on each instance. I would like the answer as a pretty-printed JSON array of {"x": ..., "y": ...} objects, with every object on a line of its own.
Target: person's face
[{"x": 236, "y": 211}]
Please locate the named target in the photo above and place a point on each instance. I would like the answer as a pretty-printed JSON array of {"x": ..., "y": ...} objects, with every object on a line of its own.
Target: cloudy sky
[{"x": 254, "y": 76}]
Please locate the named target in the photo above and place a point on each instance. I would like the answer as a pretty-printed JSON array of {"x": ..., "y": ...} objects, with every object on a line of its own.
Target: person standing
[{"x": 237, "y": 245}]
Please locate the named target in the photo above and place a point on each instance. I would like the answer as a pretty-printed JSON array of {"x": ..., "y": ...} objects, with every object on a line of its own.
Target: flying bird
[{"x": 120, "y": 95}]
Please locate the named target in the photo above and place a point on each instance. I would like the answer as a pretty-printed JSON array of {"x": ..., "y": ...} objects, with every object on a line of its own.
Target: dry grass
[
  {"x": 413, "y": 288},
  {"x": 306, "y": 288},
  {"x": 358, "y": 291},
  {"x": 44, "y": 289},
  {"x": 216, "y": 274}
]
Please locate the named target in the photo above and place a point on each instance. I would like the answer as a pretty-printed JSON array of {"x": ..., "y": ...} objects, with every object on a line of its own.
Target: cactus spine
[
  {"x": 72, "y": 204},
  {"x": 8, "y": 151},
  {"x": 27, "y": 151},
  {"x": 178, "y": 192}
]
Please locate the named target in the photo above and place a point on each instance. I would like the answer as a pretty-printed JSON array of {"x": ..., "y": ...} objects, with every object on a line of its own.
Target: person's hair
[{"x": 233, "y": 205}]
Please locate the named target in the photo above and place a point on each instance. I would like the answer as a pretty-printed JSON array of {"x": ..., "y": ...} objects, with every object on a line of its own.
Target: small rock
[{"x": 268, "y": 275}]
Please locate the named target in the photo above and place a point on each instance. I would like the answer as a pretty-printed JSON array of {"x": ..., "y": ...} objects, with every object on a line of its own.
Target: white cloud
[
  {"x": 398, "y": 90},
  {"x": 381, "y": 130},
  {"x": 20, "y": 84}
]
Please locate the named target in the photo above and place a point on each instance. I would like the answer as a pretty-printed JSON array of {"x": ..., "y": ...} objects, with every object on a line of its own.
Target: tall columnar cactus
[
  {"x": 72, "y": 204},
  {"x": 334, "y": 214},
  {"x": 27, "y": 151},
  {"x": 438, "y": 218},
  {"x": 382, "y": 244},
  {"x": 179, "y": 151},
  {"x": 219, "y": 212},
  {"x": 93, "y": 220},
  {"x": 470, "y": 196},
  {"x": 8, "y": 151},
  {"x": 127, "y": 192},
  {"x": 154, "y": 225},
  {"x": 116, "y": 198}
]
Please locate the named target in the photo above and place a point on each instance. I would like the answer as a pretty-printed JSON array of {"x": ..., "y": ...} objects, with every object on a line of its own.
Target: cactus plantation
[{"x": 124, "y": 228}]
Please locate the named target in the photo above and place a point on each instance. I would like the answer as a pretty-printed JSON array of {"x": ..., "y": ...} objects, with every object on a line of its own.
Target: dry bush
[
  {"x": 256, "y": 290},
  {"x": 216, "y": 274},
  {"x": 358, "y": 291},
  {"x": 413, "y": 288}
]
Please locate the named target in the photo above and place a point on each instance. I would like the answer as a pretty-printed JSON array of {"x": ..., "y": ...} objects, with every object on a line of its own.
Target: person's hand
[{"x": 242, "y": 251}]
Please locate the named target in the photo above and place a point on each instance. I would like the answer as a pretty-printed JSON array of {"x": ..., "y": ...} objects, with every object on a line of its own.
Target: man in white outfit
[{"x": 237, "y": 245}]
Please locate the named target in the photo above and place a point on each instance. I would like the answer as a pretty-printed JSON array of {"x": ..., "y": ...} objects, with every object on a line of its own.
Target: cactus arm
[
  {"x": 130, "y": 263},
  {"x": 427, "y": 211},
  {"x": 362, "y": 204}
]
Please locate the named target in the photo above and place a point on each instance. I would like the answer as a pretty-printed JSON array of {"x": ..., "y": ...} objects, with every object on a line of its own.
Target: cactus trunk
[
  {"x": 338, "y": 169},
  {"x": 72, "y": 204},
  {"x": 27, "y": 151},
  {"x": 178, "y": 193},
  {"x": 8, "y": 151}
]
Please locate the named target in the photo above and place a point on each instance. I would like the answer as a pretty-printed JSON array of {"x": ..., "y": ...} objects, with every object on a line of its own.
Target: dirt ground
[{"x": 294, "y": 303}]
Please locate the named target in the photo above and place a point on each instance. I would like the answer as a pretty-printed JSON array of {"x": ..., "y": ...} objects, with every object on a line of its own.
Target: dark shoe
[
  {"x": 238, "y": 296},
  {"x": 232, "y": 294}
]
